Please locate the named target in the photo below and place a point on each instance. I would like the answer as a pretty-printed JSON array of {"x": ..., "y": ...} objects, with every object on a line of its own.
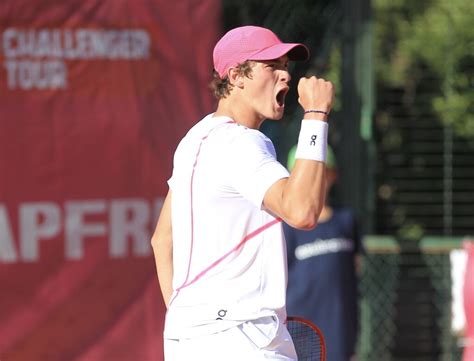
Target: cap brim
[{"x": 295, "y": 52}]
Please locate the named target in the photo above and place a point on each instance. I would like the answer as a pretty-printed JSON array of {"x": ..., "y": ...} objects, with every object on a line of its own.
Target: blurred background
[{"x": 95, "y": 95}]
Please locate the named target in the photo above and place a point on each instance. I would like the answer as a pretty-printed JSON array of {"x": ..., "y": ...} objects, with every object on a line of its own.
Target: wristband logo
[{"x": 313, "y": 139}]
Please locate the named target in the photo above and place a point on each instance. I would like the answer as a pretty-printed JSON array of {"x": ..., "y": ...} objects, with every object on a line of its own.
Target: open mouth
[{"x": 280, "y": 97}]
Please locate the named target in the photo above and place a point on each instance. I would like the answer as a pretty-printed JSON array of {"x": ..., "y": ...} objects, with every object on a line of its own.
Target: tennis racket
[{"x": 307, "y": 338}]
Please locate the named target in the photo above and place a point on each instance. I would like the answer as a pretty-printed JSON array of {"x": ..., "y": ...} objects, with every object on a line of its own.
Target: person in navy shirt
[{"x": 322, "y": 277}]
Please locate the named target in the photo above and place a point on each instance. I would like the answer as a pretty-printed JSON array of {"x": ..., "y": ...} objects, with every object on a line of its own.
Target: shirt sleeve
[{"x": 254, "y": 167}]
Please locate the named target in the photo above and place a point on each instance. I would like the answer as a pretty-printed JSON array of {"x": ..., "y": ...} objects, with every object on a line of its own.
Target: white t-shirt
[{"x": 229, "y": 254}]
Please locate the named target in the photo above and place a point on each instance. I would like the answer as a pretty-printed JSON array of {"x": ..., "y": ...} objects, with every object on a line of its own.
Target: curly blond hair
[{"x": 221, "y": 87}]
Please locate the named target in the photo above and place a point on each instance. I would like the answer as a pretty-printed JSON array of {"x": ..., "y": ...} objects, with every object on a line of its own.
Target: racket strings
[{"x": 308, "y": 343}]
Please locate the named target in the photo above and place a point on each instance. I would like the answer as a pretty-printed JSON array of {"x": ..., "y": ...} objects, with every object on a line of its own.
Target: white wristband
[{"x": 312, "y": 141}]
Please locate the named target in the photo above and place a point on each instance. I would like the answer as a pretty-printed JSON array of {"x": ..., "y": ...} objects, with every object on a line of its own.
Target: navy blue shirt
[{"x": 322, "y": 282}]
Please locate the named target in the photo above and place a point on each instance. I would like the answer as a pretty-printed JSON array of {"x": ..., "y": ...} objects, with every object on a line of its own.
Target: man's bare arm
[
  {"x": 299, "y": 199},
  {"x": 162, "y": 243}
]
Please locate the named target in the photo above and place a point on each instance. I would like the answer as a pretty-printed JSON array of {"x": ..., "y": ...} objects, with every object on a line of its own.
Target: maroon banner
[{"x": 94, "y": 97}]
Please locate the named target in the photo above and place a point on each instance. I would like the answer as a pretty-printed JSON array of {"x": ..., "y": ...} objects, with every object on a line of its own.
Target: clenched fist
[{"x": 317, "y": 94}]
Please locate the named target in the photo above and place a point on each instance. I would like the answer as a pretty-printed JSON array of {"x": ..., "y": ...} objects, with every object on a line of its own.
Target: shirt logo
[{"x": 221, "y": 314}]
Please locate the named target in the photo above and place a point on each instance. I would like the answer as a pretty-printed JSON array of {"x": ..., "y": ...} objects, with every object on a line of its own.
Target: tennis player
[{"x": 219, "y": 246}]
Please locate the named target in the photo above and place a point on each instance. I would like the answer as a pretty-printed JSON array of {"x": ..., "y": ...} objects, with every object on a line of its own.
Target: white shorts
[{"x": 262, "y": 339}]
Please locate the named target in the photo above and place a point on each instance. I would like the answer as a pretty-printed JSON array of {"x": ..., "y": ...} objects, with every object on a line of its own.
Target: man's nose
[{"x": 286, "y": 77}]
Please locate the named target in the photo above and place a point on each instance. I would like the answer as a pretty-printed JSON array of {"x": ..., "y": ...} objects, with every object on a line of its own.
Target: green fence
[{"x": 405, "y": 308}]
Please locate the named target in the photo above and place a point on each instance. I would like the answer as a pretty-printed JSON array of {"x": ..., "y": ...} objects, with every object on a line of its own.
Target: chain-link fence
[{"x": 406, "y": 301}]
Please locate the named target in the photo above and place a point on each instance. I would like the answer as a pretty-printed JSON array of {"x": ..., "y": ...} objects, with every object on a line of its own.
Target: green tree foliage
[{"x": 435, "y": 34}]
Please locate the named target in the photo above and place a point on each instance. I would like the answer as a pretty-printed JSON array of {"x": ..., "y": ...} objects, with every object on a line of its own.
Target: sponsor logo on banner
[
  {"x": 36, "y": 59},
  {"x": 118, "y": 220}
]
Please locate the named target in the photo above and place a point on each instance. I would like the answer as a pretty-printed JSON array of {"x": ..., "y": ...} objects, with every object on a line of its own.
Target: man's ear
[{"x": 236, "y": 77}]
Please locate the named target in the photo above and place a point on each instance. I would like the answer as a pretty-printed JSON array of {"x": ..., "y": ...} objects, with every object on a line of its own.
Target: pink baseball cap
[{"x": 253, "y": 43}]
